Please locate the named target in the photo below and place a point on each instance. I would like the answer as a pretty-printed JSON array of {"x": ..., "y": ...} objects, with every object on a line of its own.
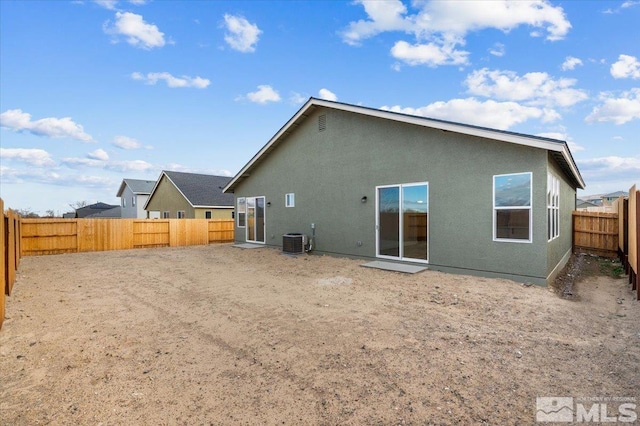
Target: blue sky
[{"x": 92, "y": 92}]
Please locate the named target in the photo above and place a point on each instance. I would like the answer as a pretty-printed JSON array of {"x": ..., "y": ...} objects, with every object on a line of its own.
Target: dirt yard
[{"x": 220, "y": 335}]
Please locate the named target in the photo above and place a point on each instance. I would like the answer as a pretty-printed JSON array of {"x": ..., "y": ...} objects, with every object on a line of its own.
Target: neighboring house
[
  {"x": 134, "y": 194},
  {"x": 586, "y": 206},
  {"x": 190, "y": 195},
  {"x": 603, "y": 203},
  {"x": 98, "y": 210},
  {"x": 379, "y": 184}
]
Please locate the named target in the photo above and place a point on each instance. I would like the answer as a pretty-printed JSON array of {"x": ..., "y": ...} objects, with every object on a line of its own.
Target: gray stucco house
[
  {"x": 133, "y": 194},
  {"x": 382, "y": 185}
]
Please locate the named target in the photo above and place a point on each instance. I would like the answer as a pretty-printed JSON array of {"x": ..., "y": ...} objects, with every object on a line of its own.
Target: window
[
  {"x": 207, "y": 214},
  {"x": 553, "y": 207},
  {"x": 133, "y": 201},
  {"x": 242, "y": 211},
  {"x": 290, "y": 200},
  {"x": 124, "y": 202},
  {"x": 166, "y": 215},
  {"x": 512, "y": 207},
  {"x": 181, "y": 214}
]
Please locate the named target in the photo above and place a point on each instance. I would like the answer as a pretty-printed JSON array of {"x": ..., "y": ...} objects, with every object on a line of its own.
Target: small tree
[
  {"x": 27, "y": 212},
  {"x": 79, "y": 204}
]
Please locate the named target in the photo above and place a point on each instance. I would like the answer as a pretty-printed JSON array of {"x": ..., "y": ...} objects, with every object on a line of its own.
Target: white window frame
[
  {"x": 242, "y": 212},
  {"x": 133, "y": 201},
  {"x": 166, "y": 215},
  {"x": 180, "y": 214},
  {"x": 553, "y": 207},
  {"x": 209, "y": 213},
  {"x": 529, "y": 207},
  {"x": 290, "y": 199},
  {"x": 124, "y": 201}
]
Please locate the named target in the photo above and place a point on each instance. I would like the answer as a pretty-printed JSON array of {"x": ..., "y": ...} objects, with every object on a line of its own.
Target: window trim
[
  {"x": 181, "y": 214},
  {"x": 166, "y": 214},
  {"x": 133, "y": 201},
  {"x": 529, "y": 207},
  {"x": 208, "y": 212},
  {"x": 290, "y": 199},
  {"x": 241, "y": 213},
  {"x": 553, "y": 207}
]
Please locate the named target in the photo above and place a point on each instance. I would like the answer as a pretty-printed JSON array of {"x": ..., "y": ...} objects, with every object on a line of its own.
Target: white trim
[
  {"x": 553, "y": 207},
  {"x": 519, "y": 139},
  {"x": 529, "y": 207},
  {"x": 290, "y": 199},
  {"x": 401, "y": 256},
  {"x": 264, "y": 231},
  {"x": 244, "y": 200}
]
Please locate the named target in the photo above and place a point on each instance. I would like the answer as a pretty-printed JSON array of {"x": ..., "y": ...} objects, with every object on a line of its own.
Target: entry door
[
  {"x": 402, "y": 222},
  {"x": 255, "y": 220}
]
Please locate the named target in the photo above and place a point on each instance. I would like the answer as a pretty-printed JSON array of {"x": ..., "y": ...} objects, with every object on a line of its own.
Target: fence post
[{"x": 3, "y": 283}]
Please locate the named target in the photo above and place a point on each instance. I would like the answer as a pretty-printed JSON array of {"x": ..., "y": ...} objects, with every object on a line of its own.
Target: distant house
[
  {"x": 133, "y": 194},
  {"x": 190, "y": 195},
  {"x": 98, "y": 210},
  {"x": 376, "y": 184},
  {"x": 600, "y": 202},
  {"x": 585, "y": 205}
]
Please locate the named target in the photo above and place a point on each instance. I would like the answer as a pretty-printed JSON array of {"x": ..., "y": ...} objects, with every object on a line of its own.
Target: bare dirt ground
[{"x": 219, "y": 335}]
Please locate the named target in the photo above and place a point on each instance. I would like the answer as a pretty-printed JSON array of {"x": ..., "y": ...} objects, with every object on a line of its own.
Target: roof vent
[{"x": 322, "y": 122}]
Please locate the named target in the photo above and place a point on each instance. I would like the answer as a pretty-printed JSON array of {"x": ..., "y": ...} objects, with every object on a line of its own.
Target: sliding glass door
[
  {"x": 255, "y": 219},
  {"x": 402, "y": 221}
]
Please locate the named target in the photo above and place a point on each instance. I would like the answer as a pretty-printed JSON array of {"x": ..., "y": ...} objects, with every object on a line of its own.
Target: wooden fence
[
  {"x": 595, "y": 233},
  {"x": 55, "y": 236},
  {"x": 629, "y": 236},
  {"x": 10, "y": 227}
]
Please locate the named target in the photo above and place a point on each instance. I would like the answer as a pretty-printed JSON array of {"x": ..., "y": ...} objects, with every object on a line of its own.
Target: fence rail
[{"x": 55, "y": 236}]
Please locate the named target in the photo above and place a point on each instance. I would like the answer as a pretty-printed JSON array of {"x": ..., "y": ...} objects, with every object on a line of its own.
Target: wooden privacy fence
[
  {"x": 629, "y": 236},
  {"x": 595, "y": 233},
  {"x": 55, "y": 236},
  {"x": 9, "y": 253}
]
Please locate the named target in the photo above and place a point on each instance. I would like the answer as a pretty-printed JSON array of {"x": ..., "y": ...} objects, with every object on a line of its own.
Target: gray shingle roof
[
  {"x": 140, "y": 186},
  {"x": 202, "y": 190}
]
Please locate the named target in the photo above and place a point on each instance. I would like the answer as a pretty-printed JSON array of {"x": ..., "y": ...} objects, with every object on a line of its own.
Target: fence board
[
  {"x": 3, "y": 281},
  {"x": 10, "y": 254},
  {"x": 595, "y": 233},
  {"x": 52, "y": 236}
]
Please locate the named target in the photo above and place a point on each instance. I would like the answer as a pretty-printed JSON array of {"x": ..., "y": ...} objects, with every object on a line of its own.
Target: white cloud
[
  {"x": 439, "y": 26},
  {"x": 98, "y": 154},
  {"x": 430, "y": 54},
  {"x": 297, "y": 98},
  {"x": 618, "y": 110},
  {"x": 16, "y": 119},
  {"x": 327, "y": 95},
  {"x": 125, "y": 142},
  {"x": 498, "y": 49},
  {"x": 242, "y": 35},
  {"x": 264, "y": 94},
  {"x": 118, "y": 166},
  {"x": 34, "y": 157},
  {"x": 183, "y": 81},
  {"x": 492, "y": 114},
  {"x": 107, "y": 4},
  {"x": 618, "y": 172},
  {"x": 570, "y": 63},
  {"x": 626, "y": 67},
  {"x": 536, "y": 88},
  {"x": 137, "y": 32}
]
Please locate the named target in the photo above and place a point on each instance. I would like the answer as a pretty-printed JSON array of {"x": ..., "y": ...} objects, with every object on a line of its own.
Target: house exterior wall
[
  {"x": 559, "y": 249},
  {"x": 126, "y": 208},
  {"x": 166, "y": 197},
  {"x": 130, "y": 211},
  {"x": 330, "y": 171},
  {"x": 225, "y": 213}
]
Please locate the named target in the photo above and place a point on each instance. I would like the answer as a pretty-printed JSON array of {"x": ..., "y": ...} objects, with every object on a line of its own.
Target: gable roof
[
  {"x": 108, "y": 213},
  {"x": 137, "y": 186},
  {"x": 558, "y": 149},
  {"x": 199, "y": 190},
  {"x": 93, "y": 209}
]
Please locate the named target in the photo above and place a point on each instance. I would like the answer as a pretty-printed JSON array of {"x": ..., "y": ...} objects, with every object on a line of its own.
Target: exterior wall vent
[
  {"x": 294, "y": 243},
  {"x": 322, "y": 123}
]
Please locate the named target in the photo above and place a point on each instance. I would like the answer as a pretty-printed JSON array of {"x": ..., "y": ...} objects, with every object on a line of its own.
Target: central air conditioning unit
[{"x": 294, "y": 243}]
